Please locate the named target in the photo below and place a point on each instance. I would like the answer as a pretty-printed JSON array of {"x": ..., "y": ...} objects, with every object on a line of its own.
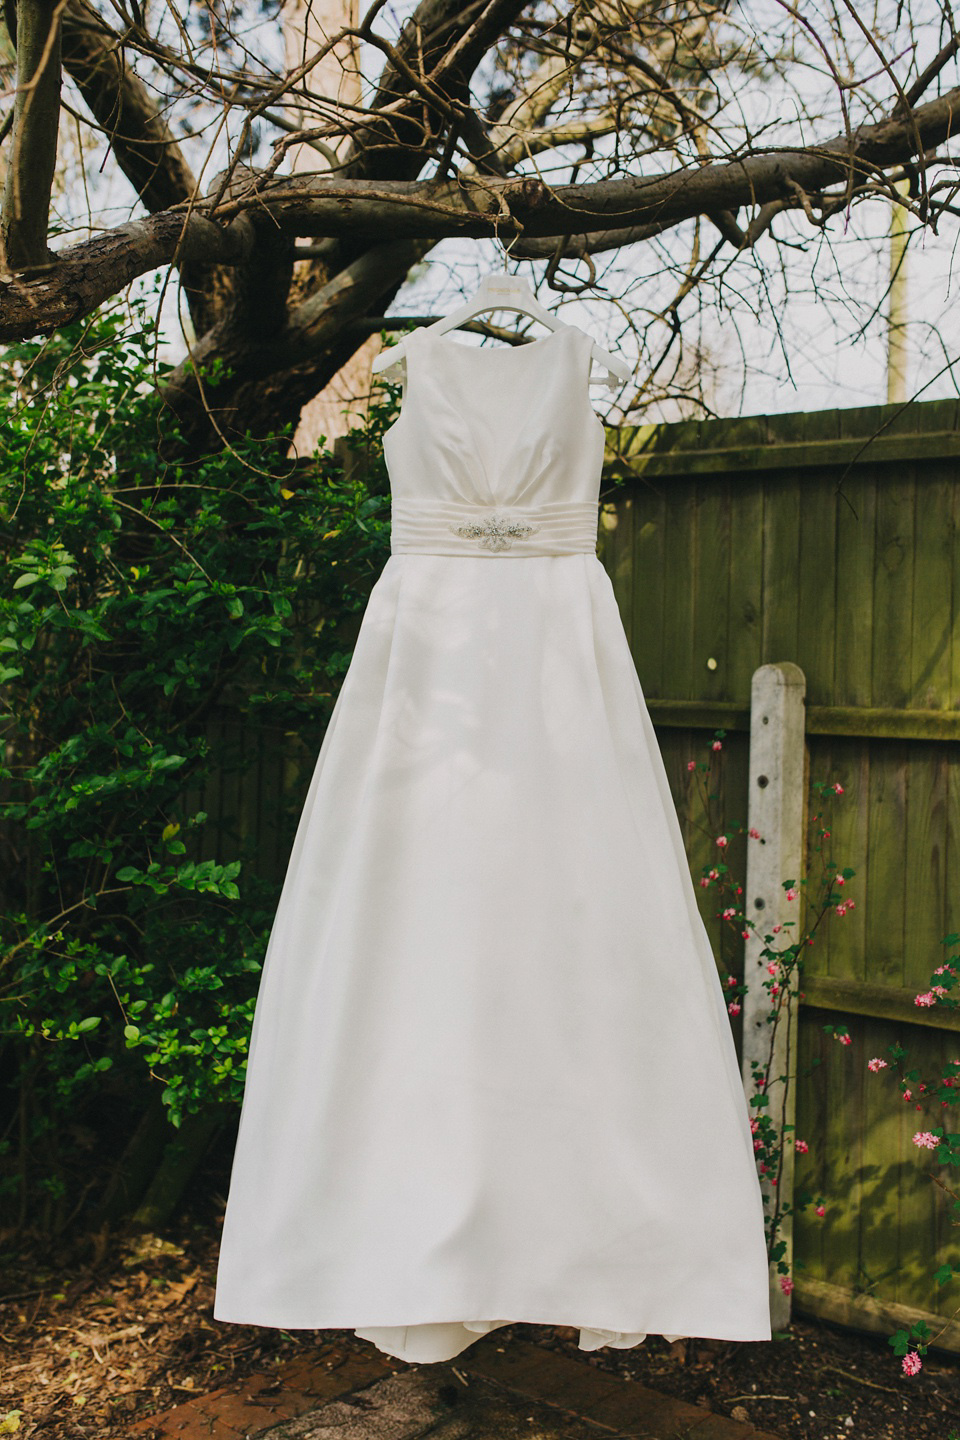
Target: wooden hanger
[{"x": 500, "y": 291}]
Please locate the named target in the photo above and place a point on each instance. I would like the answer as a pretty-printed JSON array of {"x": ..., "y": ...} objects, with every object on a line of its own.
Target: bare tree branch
[
  {"x": 427, "y": 210},
  {"x": 140, "y": 138}
]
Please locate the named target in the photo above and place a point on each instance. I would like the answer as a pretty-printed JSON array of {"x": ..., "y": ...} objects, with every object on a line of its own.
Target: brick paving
[{"x": 489, "y": 1392}]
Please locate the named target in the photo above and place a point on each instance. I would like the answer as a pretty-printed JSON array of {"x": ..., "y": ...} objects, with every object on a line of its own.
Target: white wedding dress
[{"x": 491, "y": 1074}]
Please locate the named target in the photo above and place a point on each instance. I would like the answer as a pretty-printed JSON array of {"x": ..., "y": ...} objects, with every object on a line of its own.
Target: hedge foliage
[{"x": 145, "y": 592}]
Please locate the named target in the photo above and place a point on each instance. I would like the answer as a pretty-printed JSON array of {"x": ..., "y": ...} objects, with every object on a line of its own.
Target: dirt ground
[{"x": 111, "y": 1327}]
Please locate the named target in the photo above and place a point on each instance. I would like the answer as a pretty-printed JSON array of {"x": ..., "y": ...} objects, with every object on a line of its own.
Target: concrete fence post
[{"x": 776, "y": 808}]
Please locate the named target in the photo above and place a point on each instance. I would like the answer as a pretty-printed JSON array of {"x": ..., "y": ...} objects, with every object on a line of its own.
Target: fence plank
[
  {"x": 931, "y": 612},
  {"x": 893, "y": 590},
  {"x": 620, "y": 558},
  {"x": 878, "y": 1211},
  {"x": 812, "y": 1174},
  {"x": 925, "y": 847},
  {"x": 884, "y": 889},
  {"x": 917, "y": 1205},
  {"x": 744, "y": 630},
  {"x": 648, "y": 589},
  {"x": 711, "y": 583},
  {"x": 680, "y": 546},
  {"x": 781, "y": 559},
  {"x": 815, "y": 581},
  {"x": 853, "y": 620}
]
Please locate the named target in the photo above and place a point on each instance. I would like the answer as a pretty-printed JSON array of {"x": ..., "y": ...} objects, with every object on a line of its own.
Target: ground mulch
[{"x": 110, "y": 1327}]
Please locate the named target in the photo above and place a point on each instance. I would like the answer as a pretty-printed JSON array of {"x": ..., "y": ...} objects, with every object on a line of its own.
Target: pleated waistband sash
[{"x": 447, "y": 527}]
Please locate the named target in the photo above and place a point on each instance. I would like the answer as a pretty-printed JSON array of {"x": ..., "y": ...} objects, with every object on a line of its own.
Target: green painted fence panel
[{"x": 828, "y": 540}]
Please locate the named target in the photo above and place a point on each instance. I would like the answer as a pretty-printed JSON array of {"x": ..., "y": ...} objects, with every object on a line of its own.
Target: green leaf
[{"x": 28, "y": 579}]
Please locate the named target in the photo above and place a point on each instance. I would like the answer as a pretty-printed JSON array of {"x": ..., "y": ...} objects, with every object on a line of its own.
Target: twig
[
  {"x": 733, "y": 1399},
  {"x": 861, "y": 1380}
]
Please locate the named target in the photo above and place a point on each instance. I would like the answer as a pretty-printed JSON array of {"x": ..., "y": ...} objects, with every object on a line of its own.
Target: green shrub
[{"x": 146, "y": 594}]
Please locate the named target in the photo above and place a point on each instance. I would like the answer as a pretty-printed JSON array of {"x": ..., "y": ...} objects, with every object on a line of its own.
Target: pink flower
[
  {"x": 731, "y": 979},
  {"x": 717, "y": 745},
  {"x": 777, "y": 929},
  {"x": 877, "y": 1064},
  {"x": 792, "y": 893},
  {"x": 745, "y": 934},
  {"x": 908, "y": 1094},
  {"x": 754, "y": 1124},
  {"x": 721, "y": 840},
  {"x": 821, "y": 1209},
  {"x": 801, "y": 1147},
  {"x": 844, "y": 1039},
  {"x": 912, "y": 1363},
  {"x": 772, "y": 968},
  {"x": 839, "y": 880},
  {"x": 825, "y": 834},
  {"x": 786, "y": 1284},
  {"x": 704, "y": 883},
  {"x": 754, "y": 833},
  {"x": 714, "y": 874},
  {"x": 729, "y": 913},
  {"x": 691, "y": 764},
  {"x": 938, "y": 990},
  {"x": 734, "y": 1007},
  {"x": 775, "y": 989},
  {"x": 838, "y": 788},
  {"x": 927, "y": 998},
  {"x": 739, "y": 890},
  {"x": 924, "y": 1140},
  {"x": 842, "y": 909}
]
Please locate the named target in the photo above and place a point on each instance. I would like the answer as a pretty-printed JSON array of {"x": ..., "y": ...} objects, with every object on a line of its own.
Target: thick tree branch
[
  {"x": 316, "y": 334},
  {"x": 36, "y": 118},
  {"x": 473, "y": 207},
  {"x": 88, "y": 274}
]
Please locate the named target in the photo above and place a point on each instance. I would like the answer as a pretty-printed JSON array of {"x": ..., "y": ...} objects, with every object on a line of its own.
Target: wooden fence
[{"x": 829, "y": 540}]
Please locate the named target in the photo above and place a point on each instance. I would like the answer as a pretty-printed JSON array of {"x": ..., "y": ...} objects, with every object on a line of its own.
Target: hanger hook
[{"x": 506, "y": 249}]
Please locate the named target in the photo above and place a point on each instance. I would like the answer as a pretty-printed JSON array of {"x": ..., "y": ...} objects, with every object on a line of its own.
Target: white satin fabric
[{"x": 491, "y": 1075}]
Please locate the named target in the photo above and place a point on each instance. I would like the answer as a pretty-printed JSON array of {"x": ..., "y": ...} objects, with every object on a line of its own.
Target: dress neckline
[{"x": 444, "y": 337}]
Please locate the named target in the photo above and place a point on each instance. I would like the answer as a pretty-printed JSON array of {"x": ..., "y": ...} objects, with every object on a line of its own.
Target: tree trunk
[
  {"x": 308, "y": 24},
  {"x": 36, "y": 120}
]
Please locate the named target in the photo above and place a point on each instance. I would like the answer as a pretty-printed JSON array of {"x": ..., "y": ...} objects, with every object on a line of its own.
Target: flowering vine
[
  {"x": 935, "y": 1097},
  {"x": 784, "y": 961}
]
